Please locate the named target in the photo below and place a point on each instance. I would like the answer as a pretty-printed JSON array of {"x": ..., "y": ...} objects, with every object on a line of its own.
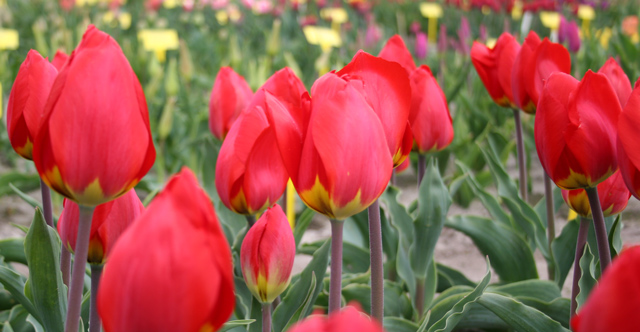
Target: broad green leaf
[
  {"x": 42, "y": 248},
  {"x": 510, "y": 255},
  {"x": 28, "y": 199},
  {"x": 396, "y": 324},
  {"x": 235, "y": 323},
  {"x": 615, "y": 239},
  {"x": 479, "y": 317},
  {"x": 14, "y": 283},
  {"x": 449, "y": 321},
  {"x": 588, "y": 277},
  {"x": 302, "y": 223},
  {"x": 431, "y": 284},
  {"x": 564, "y": 251},
  {"x": 489, "y": 201},
  {"x": 557, "y": 309},
  {"x": 18, "y": 319},
  {"x": 396, "y": 302},
  {"x": 36, "y": 324},
  {"x": 6, "y": 327},
  {"x": 449, "y": 277},
  {"x": 543, "y": 290},
  {"x": 256, "y": 316},
  {"x": 13, "y": 250},
  {"x": 244, "y": 298},
  {"x": 25, "y": 182},
  {"x": 519, "y": 316}
]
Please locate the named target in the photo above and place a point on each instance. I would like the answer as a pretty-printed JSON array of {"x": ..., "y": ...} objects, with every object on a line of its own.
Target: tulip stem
[
  {"x": 422, "y": 166},
  {"x": 393, "y": 177},
  {"x": 251, "y": 219},
  {"x": 600, "y": 228},
  {"x": 335, "y": 284},
  {"x": 377, "y": 270},
  {"x": 46, "y": 203},
  {"x": 522, "y": 167},
  {"x": 77, "y": 276},
  {"x": 65, "y": 264},
  {"x": 420, "y": 296},
  {"x": 94, "y": 318},
  {"x": 551, "y": 223},
  {"x": 266, "y": 317},
  {"x": 583, "y": 231}
]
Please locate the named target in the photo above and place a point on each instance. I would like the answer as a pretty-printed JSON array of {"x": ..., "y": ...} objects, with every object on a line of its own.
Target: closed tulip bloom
[
  {"x": 430, "y": 120},
  {"x": 94, "y": 143},
  {"x": 613, "y": 194},
  {"x": 230, "y": 95},
  {"x": 575, "y": 130},
  {"x": 346, "y": 320},
  {"x": 536, "y": 61},
  {"x": 618, "y": 79},
  {"x": 171, "y": 270},
  {"x": 395, "y": 50},
  {"x": 59, "y": 60},
  {"x": 494, "y": 66},
  {"x": 386, "y": 88},
  {"x": 109, "y": 221},
  {"x": 613, "y": 304},
  {"x": 27, "y": 102},
  {"x": 266, "y": 256},
  {"x": 628, "y": 154}
]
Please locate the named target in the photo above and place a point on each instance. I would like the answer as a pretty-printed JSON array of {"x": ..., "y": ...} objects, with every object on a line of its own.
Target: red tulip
[
  {"x": 27, "y": 101},
  {"x": 618, "y": 79},
  {"x": 494, "y": 67},
  {"x": 430, "y": 120},
  {"x": 395, "y": 50},
  {"x": 250, "y": 174},
  {"x": 94, "y": 143},
  {"x": 628, "y": 135},
  {"x": 171, "y": 270},
  {"x": 404, "y": 166},
  {"x": 230, "y": 95},
  {"x": 575, "y": 130},
  {"x": 612, "y": 192},
  {"x": 339, "y": 159},
  {"x": 535, "y": 62},
  {"x": 59, "y": 60},
  {"x": 267, "y": 255},
  {"x": 613, "y": 304},
  {"x": 386, "y": 88},
  {"x": 110, "y": 220},
  {"x": 346, "y": 320}
]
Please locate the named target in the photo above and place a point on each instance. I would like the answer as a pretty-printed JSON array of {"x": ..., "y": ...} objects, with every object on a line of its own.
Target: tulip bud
[
  {"x": 348, "y": 319},
  {"x": 494, "y": 67},
  {"x": 27, "y": 102},
  {"x": 172, "y": 269},
  {"x": 230, "y": 95},
  {"x": 613, "y": 304},
  {"x": 612, "y": 192},
  {"x": 109, "y": 221},
  {"x": 267, "y": 255},
  {"x": 94, "y": 143}
]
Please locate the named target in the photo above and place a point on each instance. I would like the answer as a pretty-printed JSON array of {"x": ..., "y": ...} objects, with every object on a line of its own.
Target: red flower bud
[
  {"x": 230, "y": 95},
  {"x": 613, "y": 304},
  {"x": 494, "y": 67},
  {"x": 94, "y": 143},
  {"x": 267, "y": 255},
  {"x": 612, "y": 192},
  {"x": 575, "y": 130},
  {"x": 347, "y": 319},
  {"x": 109, "y": 221},
  {"x": 171, "y": 270},
  {"x": 27, "y": 100}
]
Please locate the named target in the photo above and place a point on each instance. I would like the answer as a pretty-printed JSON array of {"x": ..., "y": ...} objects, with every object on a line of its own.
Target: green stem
[
  {"x": 377, "y": 270},
  {"x": 422, "y": 166},
  {"x": 46, "y": 203},
  {"x": 420, "y": 297},
  {"x": 522, "y": 166},
  {"x": 251, "y": 219},
  {"x": 266, "y": 317},
  {"x": 551, "y": 224},
  {"x": 600, "y": 228},
  {"x": 335, "y": 283},
  {"x": 94, "y": 318},
  {"x": 583, "y": 231}
]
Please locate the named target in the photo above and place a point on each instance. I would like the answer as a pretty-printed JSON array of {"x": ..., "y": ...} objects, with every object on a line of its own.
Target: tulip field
[{"x": 319, "y": 165}]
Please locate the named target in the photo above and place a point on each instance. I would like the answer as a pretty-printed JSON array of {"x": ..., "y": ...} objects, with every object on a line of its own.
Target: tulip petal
[
  {"x": 395, "y": 50},
  {"x": 549, "y": 58},
  {"x": 522, "y": 75},
  {"x": 618, "y": 79}
]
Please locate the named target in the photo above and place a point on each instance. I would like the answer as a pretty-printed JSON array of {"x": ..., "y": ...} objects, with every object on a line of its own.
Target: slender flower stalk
[
  {"x": 335, "y": 285},
  {"x": 422, "y": 166},
  {"x": 522, "y": 167},
  {"x": 94, "y": 318},
  {"x": 583, "y": 231},
  {"x": 77, "y": 276},
  {"x": 600, "y": 228},
  {"x": 266, "y": 317},
  {"x": 251, "y": 219},
  {"x": 551, "y": 223},
  {"x": 377, "y": 271},
  {"x": 46, "y": 203}
]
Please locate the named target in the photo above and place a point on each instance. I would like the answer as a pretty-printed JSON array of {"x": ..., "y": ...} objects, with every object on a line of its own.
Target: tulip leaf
[
  {"x": 519, "y": 316},
  {"x": 564, "y": 251},
  {"x": 593, "y": 242},
  {"x": 615, "y": 239},
  {"x": 244, "y": 298},
  {"x": 6, "y": 327},
  {"x": 489, "y": 201},
  {"x": 463, "y": 304},
  {"x": 15, "y": 284},
  {"x": 302, "y": 223},
  {"x": 543, "y": 290},
  {"x": 17, "y": 318},
  {"x": 433, "y": 204},
  {"x": 35, "y": 323},
  {"x": 396, "y": 302},
  {"x": 510, "y": 254},
  {"x": 449, "y": 277},
  {"x": 297, "y": 304},
  {"x": 588, "y": 278},
  {"x": 556, "y": 309},
  {"x": 26, "y": 182},
  {"x": 42, "y": 248},
  {"x": 235, "y": 323},
  {"x": 13, "y": 250},
  {"x": 397, "y": 324}
]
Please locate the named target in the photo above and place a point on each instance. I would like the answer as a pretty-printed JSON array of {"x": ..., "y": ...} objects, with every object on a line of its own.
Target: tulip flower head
[
  {"x": 613, "y": 304},
  {"x": 494, "y": 66},
  {"x": 109, "y": 221},
  {"x": 575, "y": 130},
  {"x": 172, "y": 269},
  {"x": 59, "y": 60},
  {"x": 27, "y": 102},
  {"x": 395, "y": 50},
  {"x": 230, "y": 95},
  {"x": 346, "y": 320},
  {"x": 612, "y": 192},
  {"x": 618, "y": 79},
  {"x": 628, "y": 135},
  {"x": 267, "y": 255},
  {"x": 94, "y": 142}
]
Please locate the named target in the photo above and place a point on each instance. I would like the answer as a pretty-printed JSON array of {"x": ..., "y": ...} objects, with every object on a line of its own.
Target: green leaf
[
  {"x": 18, "y": 319},
  {"x": 449, "y": 321},
  {"x": 13, "y": 250},
  {"x": 519, "y": 316},
  {"x": 557, "y": 309},
  {"x": 588, "y": 278},
  {"x": 615, "y": 237},
  {"x": 543, "y": 290},
  {"x": 489, "y": 201},
  {"x": 564, "y": 251},
  {"x": 35, "y": 323},
  {"x": 302, "y": 223},
  {"x": 6, "y": 327},
  {"x": 396, "y": 324},
  {"x": 449, "y": 277},
  {"x": 42, "y": 248},
  {"x": 293, "y": 306},
  {"x": 26, "y": 182},
  {"x": 396, "y": 302},
  {"x": 510, "y": 255},
  {"x": 14, "y": 283},
  {"x": 433, "y": 204},
  {"x": 235, "y": 323},
  {"x": 28, "y": 199}
]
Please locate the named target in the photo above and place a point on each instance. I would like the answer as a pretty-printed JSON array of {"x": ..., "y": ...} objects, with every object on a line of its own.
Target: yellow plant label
[
  {"x": 431, "y": 10},
  {"x": 586, "y": 12},
  {"x": 171, "y": 3},
  {"x": 336, "y": 15},
  {"x": 516, "y": 12},
  {"x": 324, "y": 37},
  {"x": 159, "y": 41},
  {"x": 9, "y": 39},
  {"x": 550, "y": 20}
]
